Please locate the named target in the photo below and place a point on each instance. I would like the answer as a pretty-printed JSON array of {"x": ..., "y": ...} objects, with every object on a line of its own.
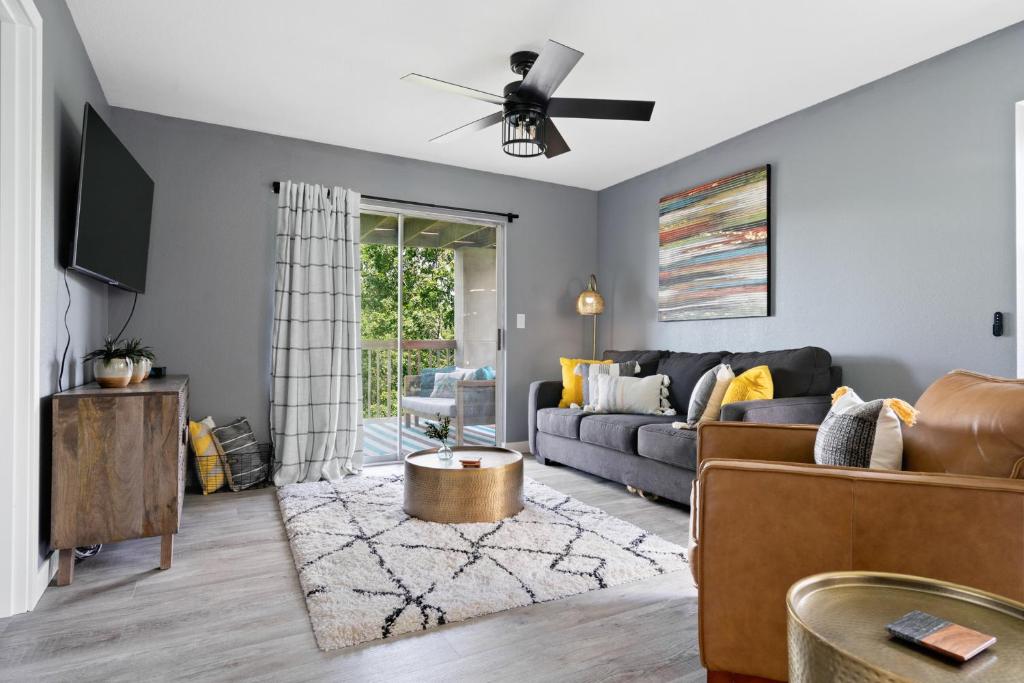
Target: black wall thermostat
[{"x": 997, "y": 324}]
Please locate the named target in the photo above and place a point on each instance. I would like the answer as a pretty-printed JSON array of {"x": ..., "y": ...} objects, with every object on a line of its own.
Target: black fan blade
[
  {"x": 453, "y": 88},
  {"x": 471, "y": 127},
  {"x": 583, "y": 108},
  {"x": 555, "y": 142},
  {"x": 552, "y": 66}
]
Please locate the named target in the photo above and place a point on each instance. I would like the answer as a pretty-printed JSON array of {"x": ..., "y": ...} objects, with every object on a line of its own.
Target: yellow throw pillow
[
  {"x": 572, "y": 384},
  {"x": 208, "y": 464},
  {"x": 753, "y": 385}
]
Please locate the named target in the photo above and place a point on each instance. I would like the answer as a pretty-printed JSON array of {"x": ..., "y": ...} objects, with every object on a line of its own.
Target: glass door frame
[{"x": 400, "y": 211}]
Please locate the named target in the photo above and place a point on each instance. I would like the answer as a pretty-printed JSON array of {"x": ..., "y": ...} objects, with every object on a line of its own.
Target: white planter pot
[
  {"x": 113, "y": 373},
  {"x": 141, "y": 370}
]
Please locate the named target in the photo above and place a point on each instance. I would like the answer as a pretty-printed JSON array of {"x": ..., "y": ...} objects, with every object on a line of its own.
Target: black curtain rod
[{"x": 510, "y": 217}]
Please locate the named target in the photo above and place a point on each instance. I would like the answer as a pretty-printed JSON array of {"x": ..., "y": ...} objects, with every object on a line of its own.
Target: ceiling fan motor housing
[{"x": 521, "y": 62}]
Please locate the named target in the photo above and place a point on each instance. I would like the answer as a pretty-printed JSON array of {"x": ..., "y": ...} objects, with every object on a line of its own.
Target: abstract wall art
[{"x": 713, "y": 256}]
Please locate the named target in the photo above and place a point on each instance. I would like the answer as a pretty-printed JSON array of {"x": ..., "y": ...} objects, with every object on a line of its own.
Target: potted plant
[
  {"x": 111, "y": 366},
  {"x": 142, "y": 358},
  {"x": 439, "y": 432}
]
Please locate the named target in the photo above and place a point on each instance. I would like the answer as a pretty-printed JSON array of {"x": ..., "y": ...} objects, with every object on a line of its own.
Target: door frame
[
  {"x": 1018, "y": 326},
  {"x": 401, "y": 211},
  {"x": 23, "y": 578}
]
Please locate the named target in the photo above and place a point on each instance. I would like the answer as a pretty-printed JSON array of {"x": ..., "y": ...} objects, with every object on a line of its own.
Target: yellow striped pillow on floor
[{"x": 208, "y": 464}]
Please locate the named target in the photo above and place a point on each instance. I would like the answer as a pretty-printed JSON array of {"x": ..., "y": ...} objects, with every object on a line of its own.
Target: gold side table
[
  {"x": 837, "y": 630},
  {"x": 443, "y": 491}
]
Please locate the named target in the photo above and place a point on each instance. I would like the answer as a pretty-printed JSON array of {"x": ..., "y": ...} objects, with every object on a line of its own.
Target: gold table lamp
[{"x": 590, "y": 302}]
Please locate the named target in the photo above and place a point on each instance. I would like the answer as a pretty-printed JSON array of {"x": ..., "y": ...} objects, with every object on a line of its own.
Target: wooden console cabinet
[{"x": 118, "y": 466}]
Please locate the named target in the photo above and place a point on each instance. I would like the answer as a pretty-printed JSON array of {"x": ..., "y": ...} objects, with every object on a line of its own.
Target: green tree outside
[{"x": 428, "y": 296}]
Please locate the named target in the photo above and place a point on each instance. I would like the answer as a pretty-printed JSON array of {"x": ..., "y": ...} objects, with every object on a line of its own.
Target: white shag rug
[{"x": 370, "y": 571}]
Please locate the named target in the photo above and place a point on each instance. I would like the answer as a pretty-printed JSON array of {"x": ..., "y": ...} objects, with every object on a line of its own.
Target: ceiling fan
[{"x": 527, "y": 105}]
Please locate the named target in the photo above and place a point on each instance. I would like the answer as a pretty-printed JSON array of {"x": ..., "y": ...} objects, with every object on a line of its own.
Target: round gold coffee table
[
  {"x": 444, "y": 491},
  {"x": 837, "y": 629}
]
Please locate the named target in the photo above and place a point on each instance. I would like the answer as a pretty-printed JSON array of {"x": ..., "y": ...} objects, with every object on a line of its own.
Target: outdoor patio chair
[{"x": 473, "y": 404}]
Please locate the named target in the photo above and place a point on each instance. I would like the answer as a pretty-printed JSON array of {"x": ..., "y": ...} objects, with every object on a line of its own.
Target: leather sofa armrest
[
  {"x": 745, "y": 441},
  {"x": 543, "y": 394},
  {"x": 753, "y": 441},
  {"x": 764, "y": 525},
  {"x": 796, "y": 410}
]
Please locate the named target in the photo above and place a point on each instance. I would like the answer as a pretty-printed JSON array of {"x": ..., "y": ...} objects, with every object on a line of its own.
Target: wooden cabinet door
[{"x": 115, "y": 468}]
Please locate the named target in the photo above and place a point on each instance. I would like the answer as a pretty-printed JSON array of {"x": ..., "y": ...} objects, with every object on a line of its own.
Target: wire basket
[
  {"x": 231, "y": 471},
  {"x": 250, "y": 469}
]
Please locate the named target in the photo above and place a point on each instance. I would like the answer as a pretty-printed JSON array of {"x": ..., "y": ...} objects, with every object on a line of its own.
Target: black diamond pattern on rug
[{"x": 370, "y": 571}]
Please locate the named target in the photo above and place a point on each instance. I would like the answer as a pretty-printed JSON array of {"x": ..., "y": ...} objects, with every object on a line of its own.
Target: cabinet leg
[
  {"x": 66, "y": 567},
  {"x": 166, "y": 550}
]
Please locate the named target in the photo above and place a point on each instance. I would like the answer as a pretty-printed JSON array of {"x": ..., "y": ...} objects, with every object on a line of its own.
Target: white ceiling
[{"x": 329, "y": 71}]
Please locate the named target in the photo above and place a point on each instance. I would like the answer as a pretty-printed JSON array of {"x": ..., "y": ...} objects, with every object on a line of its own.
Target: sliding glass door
[{"x": 431, "y": 312}]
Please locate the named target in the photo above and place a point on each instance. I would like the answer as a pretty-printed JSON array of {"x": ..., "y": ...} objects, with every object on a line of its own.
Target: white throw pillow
[
  {"x": 636, "y": 395},
  {"x": 588, "y": 371},
  {"x": 856, "y": 433},
  {"x": 444, "y": 382}
]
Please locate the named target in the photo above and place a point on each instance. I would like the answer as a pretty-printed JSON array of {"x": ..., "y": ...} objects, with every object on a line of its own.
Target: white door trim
[
  {"x": 22, "y": 578},
  {"x": 1018, "y": 321}
]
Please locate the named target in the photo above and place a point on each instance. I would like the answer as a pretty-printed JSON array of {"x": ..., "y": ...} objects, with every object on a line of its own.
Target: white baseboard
[{"x": 521, "y": 446}]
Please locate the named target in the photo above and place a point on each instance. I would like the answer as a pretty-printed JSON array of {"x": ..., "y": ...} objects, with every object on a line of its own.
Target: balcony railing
[{"x": 384, "y": 368}]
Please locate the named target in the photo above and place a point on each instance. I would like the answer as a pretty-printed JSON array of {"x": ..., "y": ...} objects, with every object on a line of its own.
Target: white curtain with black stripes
[{"x": 315, "y": 411}]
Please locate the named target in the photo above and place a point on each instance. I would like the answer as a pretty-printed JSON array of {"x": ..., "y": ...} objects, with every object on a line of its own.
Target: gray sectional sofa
[{"x": 645, "y": 451}]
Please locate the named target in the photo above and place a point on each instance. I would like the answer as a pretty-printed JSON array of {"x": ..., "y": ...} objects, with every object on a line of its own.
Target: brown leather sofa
[{"x": 765, "y": 515}]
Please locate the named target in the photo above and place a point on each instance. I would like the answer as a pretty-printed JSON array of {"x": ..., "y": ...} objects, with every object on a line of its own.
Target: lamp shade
[{"x": 590, "y": 301}]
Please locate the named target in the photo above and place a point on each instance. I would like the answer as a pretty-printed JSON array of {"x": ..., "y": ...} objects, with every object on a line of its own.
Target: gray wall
[
  {"x": 892, "y": 226},
  {"x": 208, "y": 298},
  {"x": 68, "y": 83}
]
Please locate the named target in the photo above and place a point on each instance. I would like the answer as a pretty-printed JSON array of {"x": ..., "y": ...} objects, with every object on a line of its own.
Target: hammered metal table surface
[
  {"x": 837, "y": 630},
  {"x": 444, "y": 491}
]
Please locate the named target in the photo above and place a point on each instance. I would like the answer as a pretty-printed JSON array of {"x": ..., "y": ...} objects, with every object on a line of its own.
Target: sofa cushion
[
  {"x": 560, "y": 421},
  {"x": 430, "y": 406},
  {"x": 648, "y": 360},
  {"x": 795, "y": 372},
  {"x": 665, "y": 443},
  {"x": 684, "y": 370},
  {"x": 617, "y": 431}
]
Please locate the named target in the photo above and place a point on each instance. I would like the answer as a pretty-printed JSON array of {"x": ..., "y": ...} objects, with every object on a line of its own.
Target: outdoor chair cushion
[{"x": 430, "y": 406}]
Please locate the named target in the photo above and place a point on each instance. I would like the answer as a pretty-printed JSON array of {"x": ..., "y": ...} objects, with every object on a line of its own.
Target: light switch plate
[{"x": 521, "y": 321}]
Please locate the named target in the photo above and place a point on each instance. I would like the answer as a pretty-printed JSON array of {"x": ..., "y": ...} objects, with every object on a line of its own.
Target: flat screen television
[{"x": 115, "y": 206}]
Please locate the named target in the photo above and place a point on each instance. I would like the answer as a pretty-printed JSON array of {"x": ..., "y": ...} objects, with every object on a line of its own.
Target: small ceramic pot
[
  {"x": 113, "y": 373},
  {"x": 141, "y": 369}
]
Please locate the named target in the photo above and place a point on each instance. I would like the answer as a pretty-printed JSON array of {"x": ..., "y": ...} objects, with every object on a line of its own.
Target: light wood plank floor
[{"x": 231, "y": 609}]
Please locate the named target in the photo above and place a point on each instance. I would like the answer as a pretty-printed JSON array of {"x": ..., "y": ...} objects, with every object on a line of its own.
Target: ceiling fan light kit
[
  {"x": 527, "y": 105},
  {"x": 523, "y": 129}
]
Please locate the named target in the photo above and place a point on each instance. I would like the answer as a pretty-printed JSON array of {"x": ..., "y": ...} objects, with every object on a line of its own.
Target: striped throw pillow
[
  {"x": 208, "y": 463},
  {"x": 590, "y": 372},
  {"x": 240, "y": 455},
  {"x": 633, "y": 395},
  {"x": 858, "y": 433}
]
